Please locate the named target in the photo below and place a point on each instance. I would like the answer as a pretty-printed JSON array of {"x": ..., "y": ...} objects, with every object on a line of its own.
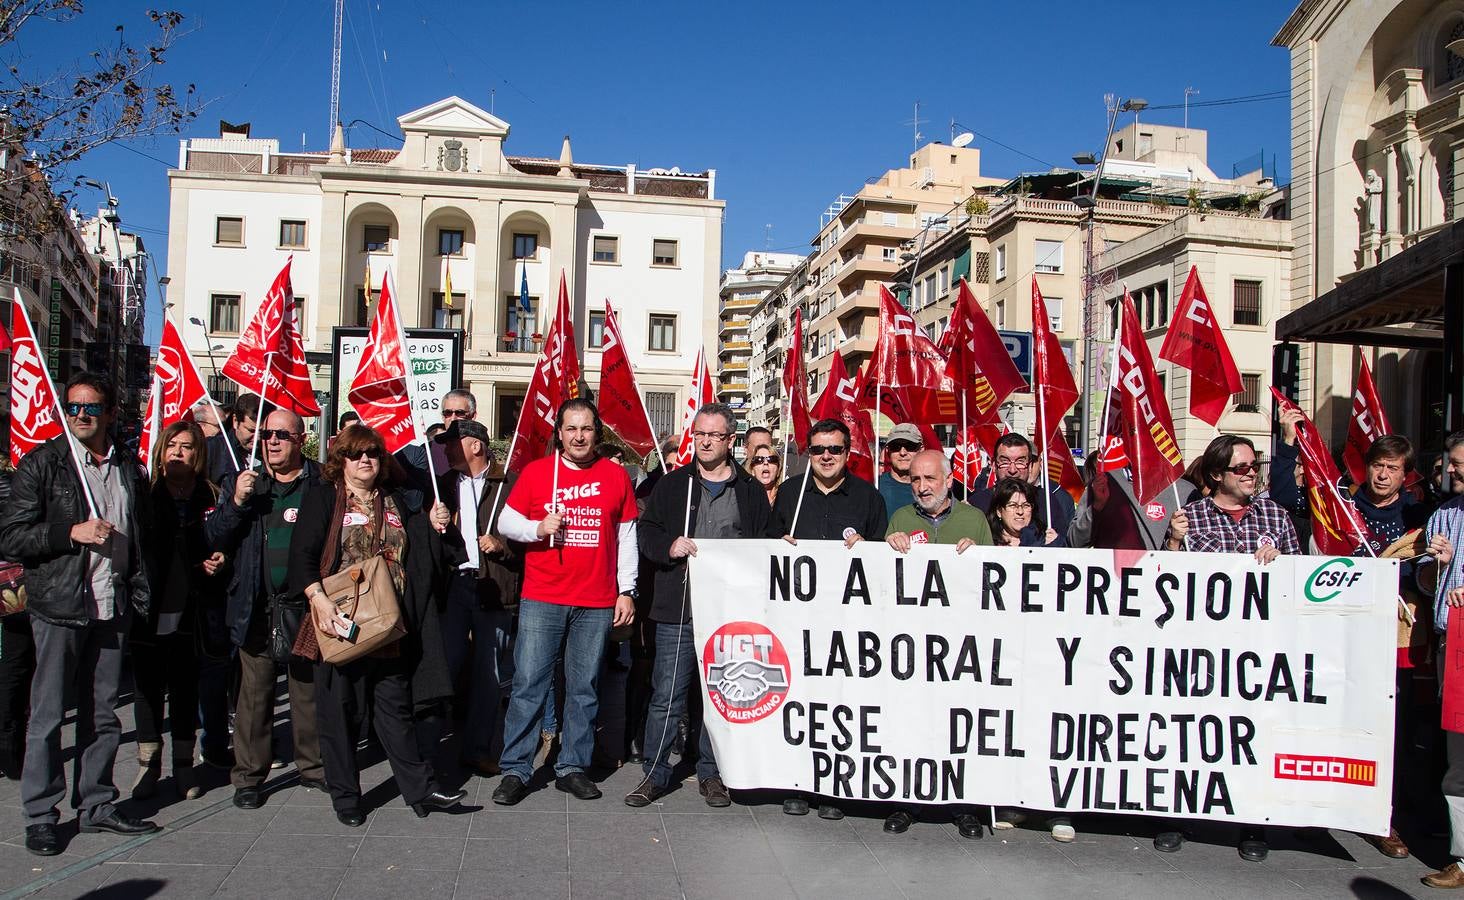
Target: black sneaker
[
  {"x": 645, "y": 793},
  {"x": 510, "y": 791}
]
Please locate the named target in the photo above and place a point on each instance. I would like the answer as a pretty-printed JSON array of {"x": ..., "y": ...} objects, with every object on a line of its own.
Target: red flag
[
  {"x": 977, "y": 362},
  {"x": 1061, "y": 470},
  {"x": 150, "y": 427},
  {"x": 34, "y": 417},
  {"x": 621, "y": 407},
  {"x": 1051, "y": 378},
  {"x": 840, "y": 400},
  {"x": 1194, "y": 340},
  {"x": 555, "y": 380},
  {"x": 795, "y": 383},
  {"x": 4, "y": 339},
  {"x": 177, "y": 388},
  {"x": 974, "y": 451},
  {"x": 380, "y": 391},
  {"x": 1368, "y": 422},
  {"x": 907, "y": 360},
  {"x": 1144, "y": 421},
  {"x": 702, "y": 393},
  {"x": 1337, "y": 526},
  {"x": 270, "y": 357}
]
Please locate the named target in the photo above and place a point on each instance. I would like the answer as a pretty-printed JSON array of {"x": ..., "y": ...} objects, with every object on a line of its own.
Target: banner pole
[{"x": 793, "y": 529}]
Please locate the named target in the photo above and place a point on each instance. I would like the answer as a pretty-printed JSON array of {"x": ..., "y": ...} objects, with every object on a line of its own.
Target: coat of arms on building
[{"x": 451, "y": 157}]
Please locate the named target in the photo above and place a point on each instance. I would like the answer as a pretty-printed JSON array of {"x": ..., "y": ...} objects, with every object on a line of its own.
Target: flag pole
[
  {"x": 396, "y": 310},
  {"x": 263, "y": 386},
  {"x": 208, "y": 396},
  {"x": 878, "y": 390},
  {"x": 803, "y": 489},
  {"x": 155, "y": 404},
  {"x": 1046, "y": 451}
]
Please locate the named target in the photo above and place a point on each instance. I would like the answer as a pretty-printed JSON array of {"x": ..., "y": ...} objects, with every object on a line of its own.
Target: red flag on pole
[
  {"x": 907, "y": 360},
  {"x": 702, "y": 393},
  {"x": 1368, "y": 422},
  {"x": 795, "y": 383},
  {"x": 380, "y": 391},
  {"x": 1061, "y": 470},
  {"x": 621, "y": 407},
  {"x": 270, "y": 357},
  {"x": 177, "y": 388},
  {"x": 555, "y": 380},
  {"x": 840, "y": 400},
  {"x": 34, "y": 404},
  {"x": 1194, "y": 340},
  {"x": 1337, "y": 527},
  {"x": 1051, "y": 378},
  {"x": 977, "y": 362},
  {"x": 974, "y": 451},
  {"x": 1144, "y": 421}
]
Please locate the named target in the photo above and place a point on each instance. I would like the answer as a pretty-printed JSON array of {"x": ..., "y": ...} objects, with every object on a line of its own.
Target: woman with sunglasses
[
  {"x": 766, "y": 466},
  {"x": 181, "y": 572},
  {"x": 359, "y": 513},
  {"x": 1016, "y": 517}
]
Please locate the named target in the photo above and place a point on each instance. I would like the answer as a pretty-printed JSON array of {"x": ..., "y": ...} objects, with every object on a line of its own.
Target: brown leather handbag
[{"x": 364, "y": 593}]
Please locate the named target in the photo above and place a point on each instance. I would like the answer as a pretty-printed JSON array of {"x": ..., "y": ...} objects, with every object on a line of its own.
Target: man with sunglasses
[
  {"x": 84, "y": 579},
  {"x": 252, "y": 525},
  {"x": 1014, "y": 458},
  {"x": 719, "y": 500},
  {"x": 903, "y": 442}
]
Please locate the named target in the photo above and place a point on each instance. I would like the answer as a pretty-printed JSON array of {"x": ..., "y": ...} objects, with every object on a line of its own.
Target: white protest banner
[
  {"x": 433, "y": 370},
  {"x": 1166, "y": 684}
]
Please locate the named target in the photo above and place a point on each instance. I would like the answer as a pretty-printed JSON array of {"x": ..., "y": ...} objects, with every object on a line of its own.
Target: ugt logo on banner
[{"x": 745, "y": 669}]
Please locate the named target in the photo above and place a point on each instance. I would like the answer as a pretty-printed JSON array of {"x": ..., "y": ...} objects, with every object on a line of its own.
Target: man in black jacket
[
  {"x": 84, "y": 577},
  {"x": 711, "y": 498},
  {"x": 252, "y": 525},
  {"x": 228, "y": 451}
]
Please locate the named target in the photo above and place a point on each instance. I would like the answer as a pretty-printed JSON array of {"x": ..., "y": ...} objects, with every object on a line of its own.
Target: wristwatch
[{"x": 633, "y": 594}]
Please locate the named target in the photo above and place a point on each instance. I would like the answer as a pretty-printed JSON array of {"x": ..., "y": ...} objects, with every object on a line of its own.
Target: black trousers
[
  {"x": 343, "y": 694},
  {"x": 166, "y": 669},
  {"x": 17, "y": 665}
]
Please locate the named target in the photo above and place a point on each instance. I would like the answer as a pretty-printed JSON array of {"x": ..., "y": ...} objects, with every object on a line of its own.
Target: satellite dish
[{"x": 963, "y": 139}]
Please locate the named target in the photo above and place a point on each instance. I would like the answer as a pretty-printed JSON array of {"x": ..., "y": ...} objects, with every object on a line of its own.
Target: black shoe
[
  {"x": 714, "y": 792},
  {"x": 117, "y": 823},
  {"x": 314, "y": 784},
  {"x": 248, "y": 798},
  {"x": 578, "y": 784},
  {"x": 634, "y": 752},
  {"x": 795, "y": 806},
  {"x": 832, "y": 813},
  {"x": 645, "y": 793},
  {"x": 970, "y": 827},
  {"x": 1253, "y": 846},
  {"x": 897, "y": 822},
  {"x": 1168, "y": 841},
  {"x": 42, "y": 840},
  {"x": 351, "y": 818},
  {"x": 438, "y": 800},
  {"x": 510, "y": 791}
]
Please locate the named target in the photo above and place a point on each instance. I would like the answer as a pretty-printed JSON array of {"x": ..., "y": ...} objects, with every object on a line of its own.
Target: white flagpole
[
  {"x": 152, "y": 421},
  {"x": 803, "y": 489},
  {"x": 878, "y": 390},
  {"x": 1046, "y": 451},
  {"x": 71, "y": 442},
  {"x": 396, "y": 310},
  {"x": 554, "y": 496}
]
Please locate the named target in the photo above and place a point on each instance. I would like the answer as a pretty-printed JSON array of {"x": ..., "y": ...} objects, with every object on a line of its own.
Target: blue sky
[{"x": 792, "y": 104}]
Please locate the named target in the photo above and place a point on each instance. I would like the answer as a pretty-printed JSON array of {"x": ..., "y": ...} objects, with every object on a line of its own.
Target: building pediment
[
  {"x": 452, "y": 136},
  {"x": 454, "y": 115}
]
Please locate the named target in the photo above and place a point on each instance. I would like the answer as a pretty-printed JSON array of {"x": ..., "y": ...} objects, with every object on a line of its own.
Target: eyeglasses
[
  {"x": 92, "y": 409},
  {"x": 456, "y": 414},
  {"x": 764, "y": 460},
  {"x": 901, "y": 447},
  {"x": 711, "y": 435},
  {"x": 1019, "y": 462},
  {"x": 278, "y": 434},
  {"x": 368, "y": 452},
  {"x": 1018, "y": 507},
  {"x": 826, "y": 449},
  {"x": 1243, "y": 469}
]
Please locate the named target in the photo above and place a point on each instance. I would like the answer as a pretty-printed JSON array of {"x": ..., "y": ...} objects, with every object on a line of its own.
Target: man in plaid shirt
[{"x": 1232, "y": 519}]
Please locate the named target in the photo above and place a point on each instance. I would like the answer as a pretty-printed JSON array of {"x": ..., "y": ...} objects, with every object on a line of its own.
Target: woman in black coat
[{"x": 355, "y": 515}]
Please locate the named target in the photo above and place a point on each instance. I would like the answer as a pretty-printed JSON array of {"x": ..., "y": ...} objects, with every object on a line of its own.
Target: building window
[
  {"x": 663, "y": 333},
  {"x": 300, "y": 316},
  {"x": 1049, "y": 257},
  {"x": 292, "y": 233},
  {"x": 376, "y": 239},
  {"x": 223, "y": 390},
  {"x": 363, "y": 309},
  {"x": 1250, "y": 393},
  {"x": 525, "y": 246},
  {"x": 229, "y": 231},
  {"x": 606, "y": 249},
  {"x": 888, "y": 254},
  {"x": 1161, "y": 294},
  {"x": 891, "y": 219},
  {"x": 932, "y": 330},
  {"x": 448, "y": 316},
  {"x": 663, "y": 253},
  {"x": 449, "y": 242},
  {"x": 1247, "y": 302},
  {"x": 596, "y": 335},
  {"x": 1000, "y": 262},
  {"x": 1448, "y": 65},
  {"x": 1054, "y": 312},
  {"x": 1001, "y": 314},
  {"x": 945, "y": 280},
  {"x": 520, "y": 324},
  {"x": 224, "y": 313},
  {"x": 661, "y": 408}
]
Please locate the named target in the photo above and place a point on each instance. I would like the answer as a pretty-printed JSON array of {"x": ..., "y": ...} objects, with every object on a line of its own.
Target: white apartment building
[
  {"x": 450, "y": 205},
  {"x": 743, "y": 290}
]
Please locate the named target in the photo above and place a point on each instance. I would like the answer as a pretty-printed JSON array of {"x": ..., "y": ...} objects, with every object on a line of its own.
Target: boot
[{"x": 149, "y": 769}]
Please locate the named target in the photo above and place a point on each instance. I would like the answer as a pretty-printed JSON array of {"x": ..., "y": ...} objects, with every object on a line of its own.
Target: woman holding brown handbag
[{"x": 360, "y": 525}]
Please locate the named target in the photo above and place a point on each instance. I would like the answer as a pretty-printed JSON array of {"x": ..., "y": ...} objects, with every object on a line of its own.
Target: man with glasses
[
  {"x": 229, "y": 449},
  {"x": 903, "y": 442},
  {"x": 1015, "y": 458},
  {"x": 85, "y": 578},
  {"x": 253, "y": 524},
  {"x": 720, "y": 500},
  {"x": 836, "y": 506}
]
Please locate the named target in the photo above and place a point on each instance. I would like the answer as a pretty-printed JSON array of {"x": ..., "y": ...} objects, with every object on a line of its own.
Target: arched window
[{"x": 1448, "y": 64}]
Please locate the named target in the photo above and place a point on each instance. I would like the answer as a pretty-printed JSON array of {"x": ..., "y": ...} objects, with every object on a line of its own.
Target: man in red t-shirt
[{"x": 576, "y": 512}]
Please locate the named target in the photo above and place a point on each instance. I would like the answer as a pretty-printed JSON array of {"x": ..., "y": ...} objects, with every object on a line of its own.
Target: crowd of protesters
[{"x": 206, "y": 577}]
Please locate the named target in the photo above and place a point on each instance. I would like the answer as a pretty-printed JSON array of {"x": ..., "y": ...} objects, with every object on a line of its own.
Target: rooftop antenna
[
  {"x": 768, "y": 236},
  {"x": 916, "y": 123},
  {"x": 1188, "y": 92},
  {"x": 335, "y": 69},
  {"x": 492, "y": 99}
]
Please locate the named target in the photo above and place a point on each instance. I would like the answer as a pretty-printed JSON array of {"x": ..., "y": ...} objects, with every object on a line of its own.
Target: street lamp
[{"x": 207, "y": 342}]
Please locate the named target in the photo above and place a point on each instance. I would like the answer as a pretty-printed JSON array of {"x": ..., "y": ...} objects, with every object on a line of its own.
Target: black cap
[{"x": 463, "y": 428}]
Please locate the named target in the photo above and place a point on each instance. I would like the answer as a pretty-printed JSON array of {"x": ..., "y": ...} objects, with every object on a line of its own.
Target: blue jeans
[
  {"x": 543, "y": 629},
  {"x": 671, "y": 680},
  {"x": 486, "y": 660}
]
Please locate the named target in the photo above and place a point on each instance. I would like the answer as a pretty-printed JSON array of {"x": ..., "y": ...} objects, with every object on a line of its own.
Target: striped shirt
[{"x": 1448, "y": 520}]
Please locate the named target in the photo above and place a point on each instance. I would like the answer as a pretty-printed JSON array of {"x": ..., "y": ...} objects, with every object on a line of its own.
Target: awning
[{"x": 1397, "y": 303}]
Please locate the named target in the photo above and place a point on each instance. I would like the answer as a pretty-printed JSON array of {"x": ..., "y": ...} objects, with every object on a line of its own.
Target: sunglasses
[
  {"x": 763, "y": 460},
  {"x": 826, "y": 449},
  {"x": 368, "y": 452},
  {"x": 1244, "y": 468},
  {"x": 277, "y": 434},
  {"x": 456, "y": 414},
  {"x": 901, "y": 447},
  {"x": 92, "y": 409}
]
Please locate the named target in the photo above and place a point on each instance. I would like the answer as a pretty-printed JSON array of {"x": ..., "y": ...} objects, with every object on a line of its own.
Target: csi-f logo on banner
[
  {"x": 1331, "y": 578},
  {"x": 745, "y": 669}
]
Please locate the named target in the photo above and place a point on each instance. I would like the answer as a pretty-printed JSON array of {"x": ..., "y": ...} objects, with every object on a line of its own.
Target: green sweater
[{"x": 963, "y": 521}]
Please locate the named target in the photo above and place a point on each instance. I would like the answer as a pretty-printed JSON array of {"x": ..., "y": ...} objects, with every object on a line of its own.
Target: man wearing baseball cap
[{"x": 903, "y": 442}]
